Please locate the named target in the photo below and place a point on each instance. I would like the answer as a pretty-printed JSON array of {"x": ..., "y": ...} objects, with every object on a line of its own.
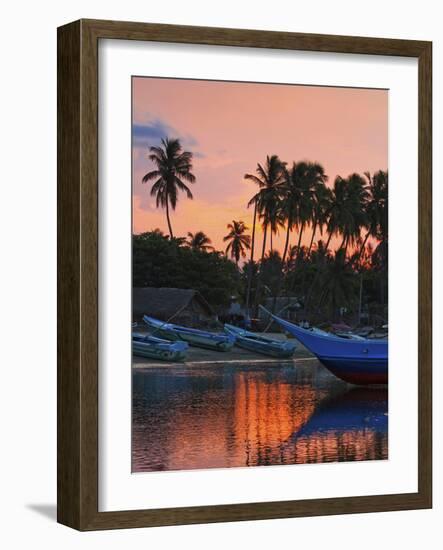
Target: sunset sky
[{"x": 230, "y": 126}]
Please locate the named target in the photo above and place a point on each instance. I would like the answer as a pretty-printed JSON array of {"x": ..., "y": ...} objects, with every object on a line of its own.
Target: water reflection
[{"x": 186, "y": 418}]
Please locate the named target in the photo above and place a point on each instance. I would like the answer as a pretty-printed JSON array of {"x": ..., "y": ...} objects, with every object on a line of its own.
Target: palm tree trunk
[
  {"x": 285, "y": 251},
  {"x": 363, "y": 245},
  {"x": 259, "y": 271},
  {"x": 323, "y": 295},
  {"x": 171, "y": 236},
  {"x": 264, "y": 242},
  {"x": 314, "y": 229},
  {"x": 282, "y": 274},
  {"x": 248, "y": 291},
  {"x": 253, "y": 233},
  {"x": 319, "y": 271},
  {"x": 329, "y": 240},
  {"x": 272, "y": 246},
  {"x": 303, "y": 284},
  {"x": 299, "y": 239}
]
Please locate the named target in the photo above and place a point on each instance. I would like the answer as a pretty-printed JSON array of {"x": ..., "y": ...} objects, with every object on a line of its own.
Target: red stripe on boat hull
[{"x": 357, "y": 372}]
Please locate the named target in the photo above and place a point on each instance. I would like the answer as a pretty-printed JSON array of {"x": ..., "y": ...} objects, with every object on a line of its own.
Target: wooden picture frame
[{"x": 78, "y": 274}]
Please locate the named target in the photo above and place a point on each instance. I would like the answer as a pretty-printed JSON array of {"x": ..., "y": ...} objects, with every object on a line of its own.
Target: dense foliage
[
  {"x": 295, "y": 199},
  {"x": 161, "y": 262}
]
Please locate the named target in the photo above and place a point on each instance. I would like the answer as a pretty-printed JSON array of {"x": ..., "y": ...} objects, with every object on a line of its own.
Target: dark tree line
[{"x": 293, "y": 199}]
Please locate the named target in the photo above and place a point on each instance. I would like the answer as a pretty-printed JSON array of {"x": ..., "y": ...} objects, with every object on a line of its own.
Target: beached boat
[
  {"x": 357, "y": 361},
  {"x": 261, "y": 344},
  {"x": 145, "y": 345},
  {"x": 218, "y": 341},
  {"x": 349, "y": 336}
]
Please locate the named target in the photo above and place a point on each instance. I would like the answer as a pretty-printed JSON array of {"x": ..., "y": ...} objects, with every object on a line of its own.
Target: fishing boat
[
  {"x": 349, "y": 336},
  {"x": 219, "y": 341},
  {"x": 145, "y": 345},
  {"x": 357, "y": 361},
  {"x": 260, "y": 344}
]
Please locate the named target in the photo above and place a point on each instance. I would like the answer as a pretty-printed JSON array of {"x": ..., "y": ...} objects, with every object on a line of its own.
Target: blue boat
[
  {"x": 357, "y": 361},
  {"x": 218, "y": 341},
  {"x": 261, "y": 344},
  {"x": 145, "y": 345}
]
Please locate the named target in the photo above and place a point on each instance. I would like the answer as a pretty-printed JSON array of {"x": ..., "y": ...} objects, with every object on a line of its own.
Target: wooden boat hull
[
  {"x": 200, "y": 342},
  {"x": 354, "y": 371},
  {"x": 263, "y": 349},
  {"x": 194, "y": 337},
  {"x": 156, "y": 348},
  {"x": 356, "y": 361},
  {"x": 143, "y": 350},
  {"x": 260, "y": 344}
]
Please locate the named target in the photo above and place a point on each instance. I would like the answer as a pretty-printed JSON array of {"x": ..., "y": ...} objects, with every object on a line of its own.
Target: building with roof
[{"x": 180, "y": 305}]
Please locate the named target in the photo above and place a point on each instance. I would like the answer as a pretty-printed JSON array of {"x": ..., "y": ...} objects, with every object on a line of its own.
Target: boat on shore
[
  {"x": 357, "y": 361},
  {"x": 260, "y": 344},
  {"x": 145, "y": 345},
  {"x": 218, "y": 341}
]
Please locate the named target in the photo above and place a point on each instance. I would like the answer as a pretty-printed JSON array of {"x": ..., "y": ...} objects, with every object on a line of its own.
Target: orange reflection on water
[
  {"x": 246, "y": 417},
  {"x": 266, "y": 415}
]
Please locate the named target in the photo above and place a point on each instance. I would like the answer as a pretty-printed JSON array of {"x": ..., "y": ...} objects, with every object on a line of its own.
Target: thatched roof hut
[{"x": 185, "y": 305}]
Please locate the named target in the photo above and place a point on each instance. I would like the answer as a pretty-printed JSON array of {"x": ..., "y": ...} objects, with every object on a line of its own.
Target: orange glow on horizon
[{"x": 230, "y": 127}]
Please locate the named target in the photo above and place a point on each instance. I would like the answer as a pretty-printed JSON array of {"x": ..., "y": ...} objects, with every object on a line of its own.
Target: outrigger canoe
[
  {"x": 357, "y": 361},
  {"x": 145, "y": 345},
  {"x": 218, "y": 341},
  {"x": 260, "y": 344}
]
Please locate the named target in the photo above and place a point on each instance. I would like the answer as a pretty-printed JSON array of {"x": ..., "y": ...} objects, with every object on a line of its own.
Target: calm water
[{"x": 218, "y": 417}]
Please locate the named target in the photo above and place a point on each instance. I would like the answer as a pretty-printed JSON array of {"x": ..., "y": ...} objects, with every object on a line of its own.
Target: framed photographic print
[{"x": 244, "y": 275}]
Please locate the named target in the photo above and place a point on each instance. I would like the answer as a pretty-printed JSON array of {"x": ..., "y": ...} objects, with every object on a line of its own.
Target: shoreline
[
  {"x": 236, "y": 356},
  {"x": 271, "y": 362}
]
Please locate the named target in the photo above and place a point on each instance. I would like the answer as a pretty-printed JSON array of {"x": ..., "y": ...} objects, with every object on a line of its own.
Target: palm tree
[
  {"x": 270, "y": 179},
  {"x": 173, "y": 168},
  {"x": 337, "y": 199},
  {"x": 200, "y": 241},
  {"x": 376, "y": 207},
  {"x": 238, "y": 242},
  {"x": 320, "y": 253},
  {"x": 355, "y": 217},
  {"x": 338, "y": 283},
  {"x": 271, "y": 274},
  {"x": 254, "y": 202},
  {"x": 179, "y": 241},
  {"x": 319, "y": 258},
  {"x": 301, "y": 185},
  {"x": 292, "y": 255},
  {"x": 291, "y": 201},
  {"x": 322, "y": 202},
  {"x": 347, "y": 213},
  {"x": 276, "y": 220},
  {"x": 312, "y": 177},
  {"x": 251, "y": 264}
]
